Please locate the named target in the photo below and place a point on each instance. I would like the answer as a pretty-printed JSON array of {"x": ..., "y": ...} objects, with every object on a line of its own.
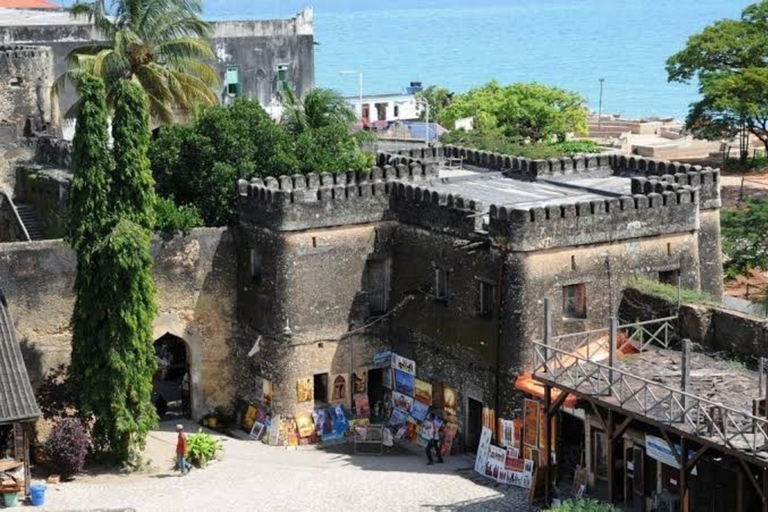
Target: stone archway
[
  {"x": 171, "y": 323},
  {"x": 170, "y": 384}
]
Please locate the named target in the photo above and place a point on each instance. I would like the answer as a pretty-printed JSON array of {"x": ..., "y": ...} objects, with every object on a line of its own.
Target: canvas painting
[
  {"x": 322, "y": 421},
  {"x": 398, "y": 417},
  {"x": 249, "y": 417},
  {"x": 482, "y": 450},
  {"x": 402, "y": 402},
  {"x": 449, "y": 433},
  {"x": 359, "y": 382},
  {"x": 403, "y": 364},
  {"x": 305, "y": 425},
  {"x": 497, "y": 455},
  {"x": 423, "y": 391},
  {"x": 507, "y": 433},
  {"x": 305, "y": 390},
  {"x": 362, "y": 407},
  {"x": 450, "y": 402},
  {"x": 419, "y": 410},
  {"x": 257, "y": 431},
  {"x": 404, "y": 382}
]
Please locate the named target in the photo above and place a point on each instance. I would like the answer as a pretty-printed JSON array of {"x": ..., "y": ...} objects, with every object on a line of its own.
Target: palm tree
[
  {"x": 160, "y": 44},
  {"x": 319, "y": 108}
]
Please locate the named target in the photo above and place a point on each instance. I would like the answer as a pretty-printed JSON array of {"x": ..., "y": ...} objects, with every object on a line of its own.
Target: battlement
[
  {"x": 447, "y": 213},
  {"x": 25, "y": 52},
  {"x": 673, "y": 210}
]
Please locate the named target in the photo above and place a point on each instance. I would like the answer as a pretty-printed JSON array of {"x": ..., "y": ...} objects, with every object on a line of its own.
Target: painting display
[
  {"x": 530, "y": 423},
  {"x": 449, "y": 433},
  {"x": 257, "y": 431},
  {"x": 403, "y": 364},
  {"x": 263, "y": 392},
  {"x": 382, "y": 359},
  {"x": 482, "y": 450},
  {"x": 402, "y": 402},
  {"x": 249, "y": 417},
  {"x": 398, "y": 417},
  {"x": 450, "y": 403},
  {"x": 419, "y": 410},
  {"x": 404, "y": 382},
  {"x": 507, "y": 433},
  {"x": 305, "y": 426},
  {"x": 359, "y": 382},
  {"x": 423, "y": 391},
  {"x": 305, "y": 390},
  {"x": 362, "y": 406}
]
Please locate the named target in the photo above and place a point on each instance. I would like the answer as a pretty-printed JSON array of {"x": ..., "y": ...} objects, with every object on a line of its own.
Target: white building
[{"x": 386, "y": 107}]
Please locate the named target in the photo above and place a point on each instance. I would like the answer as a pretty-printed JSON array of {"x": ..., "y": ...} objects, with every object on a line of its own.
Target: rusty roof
[{"x": 17, "y": 401}]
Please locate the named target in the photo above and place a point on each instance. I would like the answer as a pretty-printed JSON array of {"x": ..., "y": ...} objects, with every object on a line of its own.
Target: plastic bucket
[
  {"x": 11, "y": 499},
  {"x": 37, "y": 494}
]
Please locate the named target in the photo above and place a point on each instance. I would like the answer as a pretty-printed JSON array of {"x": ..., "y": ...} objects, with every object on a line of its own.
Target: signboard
[{"x": 658, "y": 449}]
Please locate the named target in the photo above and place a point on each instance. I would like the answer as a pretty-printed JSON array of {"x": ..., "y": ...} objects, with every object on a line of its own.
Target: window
[
  {"x": 321, "y": 388},
  {"x": 381, "y": 111},
  {"x": 15, "y": 83},
  {"x": 486, "y": 293},
  {"x": 397, "y": 111},
  {"x": 575, "y": 301},
  {"x": 377, "y": 285},
  {"x": 283, "y": 78},
  {"x": 233, "y": 80},
  {"x": 441, "y": 284},
  {"x": 339, "y": 388},
  {"x": 255, "y": 266},
  {"x": 669, "y": 277}
]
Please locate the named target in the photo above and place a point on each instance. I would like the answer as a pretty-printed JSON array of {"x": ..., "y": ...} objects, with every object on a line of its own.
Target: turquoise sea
[{"x": 463, "y": 43}]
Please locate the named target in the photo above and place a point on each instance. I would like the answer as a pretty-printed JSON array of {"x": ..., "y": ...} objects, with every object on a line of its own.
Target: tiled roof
[
  {"x": 17, "y": 401},
  {"x": 28, "y": 4}
]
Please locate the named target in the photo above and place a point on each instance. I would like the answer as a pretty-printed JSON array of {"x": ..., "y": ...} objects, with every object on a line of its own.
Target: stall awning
[
  {"x": 526, "y": 384},
  {"x": 17, "y": 401}
]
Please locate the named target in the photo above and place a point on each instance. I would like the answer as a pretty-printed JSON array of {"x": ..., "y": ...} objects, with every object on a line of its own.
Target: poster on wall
[
  {"x": 419, "y": 410},
  {"x": 482, "y": 450},
  {"x": 423, "y": 391},
  {"x": 404, "y": 382},
  {"x": 304, "y": 424},
  {"x": 531, "y": 423},
  {"x": 403, "y": 364},
  {"x": 402, "y": 402},
  {"x": 305, "y": 390}
]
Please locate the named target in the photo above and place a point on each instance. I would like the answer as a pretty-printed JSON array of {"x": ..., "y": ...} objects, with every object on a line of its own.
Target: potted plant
[{"x": 202, "y": 448}]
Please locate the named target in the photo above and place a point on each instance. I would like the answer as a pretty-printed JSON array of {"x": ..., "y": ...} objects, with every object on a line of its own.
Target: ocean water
[{"x": 464, "y": 43}]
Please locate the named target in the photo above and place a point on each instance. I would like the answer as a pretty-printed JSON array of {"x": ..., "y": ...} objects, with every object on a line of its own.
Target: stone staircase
[{"x": 31, "y": 221}]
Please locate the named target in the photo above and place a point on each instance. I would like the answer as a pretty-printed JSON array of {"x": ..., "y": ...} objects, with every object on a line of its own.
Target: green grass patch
[
  {"x": 499, "y": 143},
  {"x": 670, "y": 292}
]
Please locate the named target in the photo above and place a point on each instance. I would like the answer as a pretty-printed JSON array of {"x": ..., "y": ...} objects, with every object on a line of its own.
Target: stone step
[{"x": 31, "y": 220}]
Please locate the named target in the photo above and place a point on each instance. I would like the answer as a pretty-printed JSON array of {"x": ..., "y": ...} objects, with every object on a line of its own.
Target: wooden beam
[
  {"x": 671, "y": 446},
  {"x": 695, "y": 459},
  {"x": 683, "y": 483},
  {"x": 622, "y": 427},
  {"x": 599, "y": 416},
  {"x": 558, "y": 402},
  {"x": 751, "y": 477}
]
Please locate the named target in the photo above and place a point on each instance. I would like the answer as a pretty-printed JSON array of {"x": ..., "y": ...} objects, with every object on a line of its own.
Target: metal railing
[{"x": 574, "y": 372}]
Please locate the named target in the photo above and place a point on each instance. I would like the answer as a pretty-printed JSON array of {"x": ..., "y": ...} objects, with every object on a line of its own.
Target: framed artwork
[
  {"x": 403, "y": 364},
  {"x": 419, "y": 410},
  {"x": 404, "y": 382},
  {"x": 305, "y": 426},
  {"x": 305, "y": 391},
  {"x": 362, "y": 406},
  {"x": 531, "y": 423},
  {"x": 450, "y": 402},
  {"x": 402, "y": 402},
  {"x": 257, "y": 431},
  {"x": 359, "y": 382},
  {"x": 423, "y": 391},
  {"x": 249, "y": 417}
]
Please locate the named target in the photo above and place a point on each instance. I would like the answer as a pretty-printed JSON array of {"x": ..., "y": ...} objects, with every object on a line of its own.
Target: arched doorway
[{"x": 171, "y": 383}]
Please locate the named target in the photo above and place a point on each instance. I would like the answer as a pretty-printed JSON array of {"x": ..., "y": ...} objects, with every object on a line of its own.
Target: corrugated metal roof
[
  {"x": 17, "y": 401},
  {"x": 28, "y": 4}
]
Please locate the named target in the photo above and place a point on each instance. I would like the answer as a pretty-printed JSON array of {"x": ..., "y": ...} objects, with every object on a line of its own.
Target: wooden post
[
  {"x": 612, "y": 355},
  {"x": 611, "y": 462},
  {"x": 548, "y": 447},
  {"x": 760, "y": 371},
  {"x": 547, "y": 332},
  {"x": 686, "y": 373},
  {"x": 683, "y": 483}
]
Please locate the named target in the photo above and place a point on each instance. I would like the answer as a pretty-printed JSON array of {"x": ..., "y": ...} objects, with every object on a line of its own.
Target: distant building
[
  {"x": 255, "y": 59},
  {"x": 30, "y": 4},
  {"x": 381, "y": 109}
]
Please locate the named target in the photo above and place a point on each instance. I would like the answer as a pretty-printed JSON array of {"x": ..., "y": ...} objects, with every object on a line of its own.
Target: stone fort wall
[
  {"x": 26, "y": 77},
  {"x": 196, "y": 291}
]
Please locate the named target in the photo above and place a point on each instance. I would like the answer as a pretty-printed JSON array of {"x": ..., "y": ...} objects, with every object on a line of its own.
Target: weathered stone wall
[
  {"x": 11, "y": 227},
  {"x": 196, "y": 284},
  {"x": 26, "y": 77},
  {"x": 47, "y": 189},
  {"x": 711, "y": 253}
]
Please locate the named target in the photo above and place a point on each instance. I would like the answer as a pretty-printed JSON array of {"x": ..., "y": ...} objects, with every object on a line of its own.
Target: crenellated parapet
[
  {"x": 706, "y": 179},
  {"x": 446, "y": 213},
  {"x": 53, "y": 151},
  {"x": 597, "y": 221}
]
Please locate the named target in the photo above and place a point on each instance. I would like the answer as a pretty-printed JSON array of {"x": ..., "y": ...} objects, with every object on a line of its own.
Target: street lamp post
[
  {"x": 360, "y": 82},
  {"x": 600, "y": 106}
]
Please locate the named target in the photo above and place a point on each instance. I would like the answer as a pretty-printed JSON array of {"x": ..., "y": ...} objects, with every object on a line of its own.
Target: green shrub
[
  {"x": 668, "y": 291},
  {"x": 496, "y": 141},
  {"x": 171, "y": 218},
  {"x": 202, "y": 448},
  {"x": 583, "y": 505}
]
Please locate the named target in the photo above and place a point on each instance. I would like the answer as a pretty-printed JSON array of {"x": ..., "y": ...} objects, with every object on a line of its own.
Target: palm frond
[{"x": 185, "y": 48}]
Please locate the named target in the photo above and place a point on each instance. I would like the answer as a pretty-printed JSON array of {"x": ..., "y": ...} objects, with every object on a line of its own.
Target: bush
[
  {"x": 55, "y": 396},
  {"x": 583, "y": 505},
  {"x": 67, "y": 447},
  {"x": 171, "y": 218},
  {"x": 202, "y": 448}
]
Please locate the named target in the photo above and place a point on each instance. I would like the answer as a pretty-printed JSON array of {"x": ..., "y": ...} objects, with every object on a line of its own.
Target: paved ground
[{"x": 252, "y": 476}]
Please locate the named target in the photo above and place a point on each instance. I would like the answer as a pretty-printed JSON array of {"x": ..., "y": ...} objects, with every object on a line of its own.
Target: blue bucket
[{"x": 37, "y": 494}]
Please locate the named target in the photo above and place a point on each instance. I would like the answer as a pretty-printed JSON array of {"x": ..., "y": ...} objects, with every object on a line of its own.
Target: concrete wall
[{"x": 196, "y": 285}]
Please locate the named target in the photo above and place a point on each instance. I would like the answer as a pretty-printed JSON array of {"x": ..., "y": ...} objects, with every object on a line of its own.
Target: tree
[
  {"x": 319, "y": 108},
  {"x": 133, "y": 189},
  {"x": 529, "y": 111},
  {"x": 110, "y": 217},
  {"x": 437, "y": 98},
  {"x": 744, "y": 240},
  {"x": 730, "y": 60},
  {"x": 161, "y": 44}
]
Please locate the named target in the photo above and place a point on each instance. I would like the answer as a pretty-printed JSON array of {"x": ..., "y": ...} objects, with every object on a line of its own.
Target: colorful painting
[
  {"x": 531, "y": 423},
  {"x": 507, "y": 433},
  {"x": 249, "y": 417},
  {"x": 305, "y": 426},
  {"x": 398, "y": 417},
  {"x": 403, "y": 364},
  {"x": 359, "y": 382},
  {"x": 340, "y": 423},
  {"x": 419, "y": 410},
  {"x": 257, "y": 431},
  {"x": 322, "y": 421},
  {"x": 482, "y": 450},
  {"x": 450, "y": 403},
  {"x": 449, "y": 433},
  {"x": 423, "y": 391},
  {"x": 382, "y": 358},
  {"x": 263, "y": 392},
  {"x": 274, "y": 431},
  {"x": 412, "y": 430},
  {"x": 386, "y": 378},
  {"x": 305, "y": 389},
  {"x": 497, "y": 455},
  {"x": 402, "y": 402},
  {"x": 404, "y": 382},
  {"x": 362, "y": 406}
]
